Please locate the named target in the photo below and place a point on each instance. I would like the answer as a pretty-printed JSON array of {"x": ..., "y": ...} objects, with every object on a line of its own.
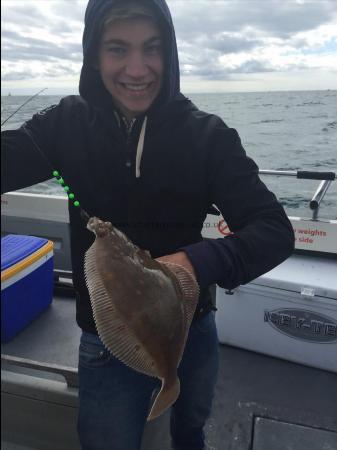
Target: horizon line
[{"x": 10, "y": 93}]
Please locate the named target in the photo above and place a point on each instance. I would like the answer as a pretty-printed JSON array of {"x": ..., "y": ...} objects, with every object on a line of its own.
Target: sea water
[{"x": 280, "y": 130}]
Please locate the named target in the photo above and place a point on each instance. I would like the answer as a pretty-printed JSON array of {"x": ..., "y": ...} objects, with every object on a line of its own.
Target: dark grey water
[{"x": 279, "y": 130}]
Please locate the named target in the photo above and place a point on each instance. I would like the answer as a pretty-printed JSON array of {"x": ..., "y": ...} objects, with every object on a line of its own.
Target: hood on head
[{"x": 91, "y": 86}]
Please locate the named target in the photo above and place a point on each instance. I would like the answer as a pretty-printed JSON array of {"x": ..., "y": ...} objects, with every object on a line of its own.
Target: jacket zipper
[{"x": 129, "y": 127}]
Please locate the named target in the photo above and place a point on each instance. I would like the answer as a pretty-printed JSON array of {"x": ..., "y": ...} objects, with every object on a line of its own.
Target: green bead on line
[{"x": 60, "y": 180}]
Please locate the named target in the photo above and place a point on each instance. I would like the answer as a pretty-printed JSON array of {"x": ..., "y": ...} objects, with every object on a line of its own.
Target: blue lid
[{"x": 15, "y": 248}]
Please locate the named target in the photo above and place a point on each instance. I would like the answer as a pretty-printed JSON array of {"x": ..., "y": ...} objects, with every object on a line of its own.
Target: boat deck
[{"x": 261, "y": 403}]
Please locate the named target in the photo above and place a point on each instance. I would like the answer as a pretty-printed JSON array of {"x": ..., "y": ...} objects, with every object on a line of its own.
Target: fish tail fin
[{"x": 165, "y": 398}]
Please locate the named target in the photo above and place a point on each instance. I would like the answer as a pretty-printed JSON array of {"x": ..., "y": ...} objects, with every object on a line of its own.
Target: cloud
[
  {"x": 14, "y": 75},
  {"x": 280, "y": 18},
  {"x": 228, "y": 43},
  {"x": 253, "y": 66},
  {"x": 217, "y": 39},
  {"x": 31, "y": 48},
  {"x": 26, "y": 15},
  {"x": 51, "y": 70}
]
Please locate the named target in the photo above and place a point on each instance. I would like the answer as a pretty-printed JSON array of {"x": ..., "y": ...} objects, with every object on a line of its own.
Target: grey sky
[{"x": 224, "y": 45}]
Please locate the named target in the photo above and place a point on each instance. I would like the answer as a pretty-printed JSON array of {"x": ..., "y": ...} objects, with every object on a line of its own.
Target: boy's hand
[{"x": 180, "y": 258}]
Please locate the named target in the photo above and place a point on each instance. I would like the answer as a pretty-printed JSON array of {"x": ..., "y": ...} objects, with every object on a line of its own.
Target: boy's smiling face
[{"x": 131, "y": 63}]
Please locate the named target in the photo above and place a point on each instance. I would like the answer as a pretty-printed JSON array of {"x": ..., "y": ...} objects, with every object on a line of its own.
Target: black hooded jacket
[{"x": 190, "y": 161}]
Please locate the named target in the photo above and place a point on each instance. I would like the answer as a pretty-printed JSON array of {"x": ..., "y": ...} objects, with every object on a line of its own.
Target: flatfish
[{"x": 142, "y": 308}]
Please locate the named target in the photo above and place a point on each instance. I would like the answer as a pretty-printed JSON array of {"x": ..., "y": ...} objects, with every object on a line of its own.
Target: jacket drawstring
[{"x": 140, "y": 147}]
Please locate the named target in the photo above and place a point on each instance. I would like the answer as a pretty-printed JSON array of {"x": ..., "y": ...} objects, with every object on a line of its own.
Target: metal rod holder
[
  {"x": 318, "y": 197},
  {"x": 326, "y": 177}
]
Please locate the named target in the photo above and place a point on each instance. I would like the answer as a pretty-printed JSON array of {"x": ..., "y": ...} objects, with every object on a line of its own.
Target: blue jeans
[{"x": 114, "y": 400}]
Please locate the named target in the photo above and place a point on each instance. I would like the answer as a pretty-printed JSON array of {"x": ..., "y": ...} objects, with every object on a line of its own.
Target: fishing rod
[
  {"x": 23, "y": 104},
  {"x": 56, "y": 174}
]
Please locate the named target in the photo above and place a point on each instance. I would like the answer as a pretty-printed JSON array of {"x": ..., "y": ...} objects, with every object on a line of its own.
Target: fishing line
[
  {"x": 56, "y": 174},
  {"x": 23, "y": 104}
]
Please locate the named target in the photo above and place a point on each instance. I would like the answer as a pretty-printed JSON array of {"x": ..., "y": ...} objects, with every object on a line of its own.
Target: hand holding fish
[{"x": 179, "y": 258}]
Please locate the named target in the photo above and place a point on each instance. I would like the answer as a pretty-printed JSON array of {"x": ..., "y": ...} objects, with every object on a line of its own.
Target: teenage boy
[{"x": 139, "y": 154}]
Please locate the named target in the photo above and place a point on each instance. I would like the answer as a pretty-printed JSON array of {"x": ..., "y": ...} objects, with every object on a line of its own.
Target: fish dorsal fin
[
  {"x": 189, "y": 291},
  {"x": 112, "y": 330}
]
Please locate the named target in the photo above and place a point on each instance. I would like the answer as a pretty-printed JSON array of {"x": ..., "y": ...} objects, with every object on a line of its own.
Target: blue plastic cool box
[{"x": 26, "y": 281}]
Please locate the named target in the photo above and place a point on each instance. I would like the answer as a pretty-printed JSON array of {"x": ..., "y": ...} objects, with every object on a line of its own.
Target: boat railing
[
  {"x": 68, "y": 373},
  {"x": 325, "y": 179}
]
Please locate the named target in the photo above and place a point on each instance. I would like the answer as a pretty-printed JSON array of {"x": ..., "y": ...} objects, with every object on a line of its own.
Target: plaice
[{"x": 142, "y": 308}]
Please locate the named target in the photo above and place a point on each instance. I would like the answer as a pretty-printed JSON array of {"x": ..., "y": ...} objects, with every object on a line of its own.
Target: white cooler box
[{"x": 290, "y": 312}]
